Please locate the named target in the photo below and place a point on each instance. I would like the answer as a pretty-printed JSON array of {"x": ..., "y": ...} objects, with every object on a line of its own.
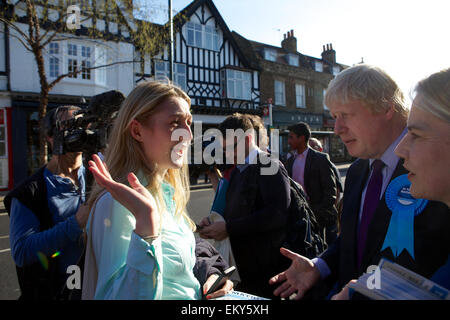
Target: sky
[{"x": 409, "y": 39}]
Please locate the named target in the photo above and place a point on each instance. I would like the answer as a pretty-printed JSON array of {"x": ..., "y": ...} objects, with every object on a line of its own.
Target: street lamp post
[{"x": 171, "y": 42}]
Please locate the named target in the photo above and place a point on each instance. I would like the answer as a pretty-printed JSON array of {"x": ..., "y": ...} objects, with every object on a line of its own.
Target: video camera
[{"x": 88, "y": 131}]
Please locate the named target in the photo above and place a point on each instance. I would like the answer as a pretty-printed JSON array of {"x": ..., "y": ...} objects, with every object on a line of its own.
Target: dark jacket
[
  {"x": 320, "y": 185},
  {"x": 36, "y": 282},
  {"x": 431, "y": 233},
  {"x": 208, "y": 261},
  {"x": 256, "y": 213}
]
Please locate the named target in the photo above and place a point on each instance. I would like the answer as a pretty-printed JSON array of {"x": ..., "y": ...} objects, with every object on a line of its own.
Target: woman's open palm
[{"x": 136, "y": 198}]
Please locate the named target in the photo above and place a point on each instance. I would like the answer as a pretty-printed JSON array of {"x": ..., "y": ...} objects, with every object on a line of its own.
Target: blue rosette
[{"x": 404, "y": 207}]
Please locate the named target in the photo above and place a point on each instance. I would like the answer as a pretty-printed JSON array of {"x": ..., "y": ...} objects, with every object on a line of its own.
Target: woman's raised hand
[{"x": 136, "y": 198}]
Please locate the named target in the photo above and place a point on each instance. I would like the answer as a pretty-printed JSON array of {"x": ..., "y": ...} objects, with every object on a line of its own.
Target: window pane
[
  {"x": 181, "y": 68},
  {"x": 230, "y": 87},
  {"x": 190, "y": 37},
  {"x": 208, "y": 41},
  {"x": 239, "y": 88},
  {"x": 319, "y": 66},
  {"x": 72, "y": 67},
  {"x": 54, "y": 48},
  {"x": 72, "y": 49},
  {"x": 160, "y": 66},
  {"x": 86, "y": 52},
  {"x": 216, "y": 42},
  {"x": 247, "y": 91},
  {"x": 198, "y": 39},
  {"x": 181, "y": 81}
]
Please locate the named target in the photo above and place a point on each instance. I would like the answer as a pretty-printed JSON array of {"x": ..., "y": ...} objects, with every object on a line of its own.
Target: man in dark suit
[
  {"x": 256, "y": 210},
  {"x": 370, "y": 116},
  {"x": 314, "y": 171}
]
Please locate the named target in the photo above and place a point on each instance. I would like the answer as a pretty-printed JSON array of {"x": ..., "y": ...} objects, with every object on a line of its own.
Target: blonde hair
[
  {"x": 368, "y": 84},
  {"x": 124, "y": 154},
  {"x": 434, "y": 92}
]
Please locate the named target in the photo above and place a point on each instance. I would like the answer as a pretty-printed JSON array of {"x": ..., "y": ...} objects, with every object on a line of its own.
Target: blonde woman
[{"x": 141, "y": 237}]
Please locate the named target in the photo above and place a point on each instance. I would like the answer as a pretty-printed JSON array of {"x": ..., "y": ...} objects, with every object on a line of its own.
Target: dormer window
[
  {"x": 270, "y": 54},
  {"x": 319, "y": 66},
  {"x": 292, "y": 60},
  {"x": 336, "y": 70}
]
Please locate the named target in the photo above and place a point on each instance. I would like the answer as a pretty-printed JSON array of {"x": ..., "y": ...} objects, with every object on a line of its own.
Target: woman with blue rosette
[
  {"x": 426, "y": 147},
  {"x": 425, "y": 150}
]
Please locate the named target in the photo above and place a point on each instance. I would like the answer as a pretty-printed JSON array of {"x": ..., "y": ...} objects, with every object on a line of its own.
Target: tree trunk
[{"x": 43, "y": 102}]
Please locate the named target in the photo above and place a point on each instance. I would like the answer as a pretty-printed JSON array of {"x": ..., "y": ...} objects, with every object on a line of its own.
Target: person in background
[
  {"x": 256, "y": 208},
  {"x": 47, "y": 218},
  {"x": 371, "y": 116},
  {"x": 314, "y": 172},
  {"x": 315, "y": 144}
]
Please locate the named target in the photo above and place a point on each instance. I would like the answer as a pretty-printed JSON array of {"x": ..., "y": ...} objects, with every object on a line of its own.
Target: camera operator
[{"x": 47, "y": 218}]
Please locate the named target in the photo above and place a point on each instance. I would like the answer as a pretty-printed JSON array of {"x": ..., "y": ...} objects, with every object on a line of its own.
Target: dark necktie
[{"x": 370, "y": 204}]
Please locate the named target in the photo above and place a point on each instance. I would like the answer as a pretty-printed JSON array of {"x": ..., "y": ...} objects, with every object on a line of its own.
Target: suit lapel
[
  {"x": 352, "y": 202},
  {"x": 380, "y": 223}
]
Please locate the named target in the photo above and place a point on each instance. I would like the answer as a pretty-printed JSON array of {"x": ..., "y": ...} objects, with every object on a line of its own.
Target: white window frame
[
  {"x": 202, "y": 36},
  {"x": 293, "y": 60},
  {"x": 280, "y": 93},
  {"x": 336, "y": 70},
  {"x": 318, "y": 66},
  {"x": 270, "y": 54},
  {"x": 81, "y": 54},
  {"x": 54, "y": 60},
  {"x": 236, "y": 84},
  {"x": 162, "y": 72},
  {"x": 300, "y": 98},
  {"x": 323, "y": 99}
]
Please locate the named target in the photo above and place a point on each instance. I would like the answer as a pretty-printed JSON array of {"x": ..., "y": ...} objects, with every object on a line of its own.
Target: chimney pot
[{"x": 292, "y": 32}]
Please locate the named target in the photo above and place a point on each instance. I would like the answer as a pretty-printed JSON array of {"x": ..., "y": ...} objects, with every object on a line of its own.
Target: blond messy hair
[
  {"x": 368, "y": 84},
  {"x": 124, "y": 154}
]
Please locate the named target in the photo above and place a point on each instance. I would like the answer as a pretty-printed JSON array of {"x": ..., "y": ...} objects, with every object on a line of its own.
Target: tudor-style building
[
  {"x": 220, "y": 70},
  {"x": 209, "y": 66}
]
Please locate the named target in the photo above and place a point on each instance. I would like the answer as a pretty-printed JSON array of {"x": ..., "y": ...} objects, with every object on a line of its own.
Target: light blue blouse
[{"x": 131, "y": 268}]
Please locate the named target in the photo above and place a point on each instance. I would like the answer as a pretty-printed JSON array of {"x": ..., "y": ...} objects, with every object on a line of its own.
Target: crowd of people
[{"x": 137, "y": 241}]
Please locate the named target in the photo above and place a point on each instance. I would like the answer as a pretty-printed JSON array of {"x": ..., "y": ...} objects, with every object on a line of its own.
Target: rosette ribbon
[{"x": 404, "y": 207}]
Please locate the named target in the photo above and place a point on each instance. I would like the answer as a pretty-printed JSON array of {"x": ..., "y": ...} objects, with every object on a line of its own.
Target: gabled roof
[
  {"x": 189, "y": 10},
  {"x": 255, "y": 50}
]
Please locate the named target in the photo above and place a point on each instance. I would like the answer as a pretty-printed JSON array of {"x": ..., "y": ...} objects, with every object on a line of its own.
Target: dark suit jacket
[
  {"x": 256, "y": 214},
  {"x": 320, "y": 185},
  {"x": 431, "y": 233}
]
